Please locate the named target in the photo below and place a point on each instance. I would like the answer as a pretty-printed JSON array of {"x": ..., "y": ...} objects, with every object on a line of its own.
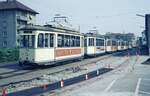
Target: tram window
[
  {"x": 51, "y": 40},
  {"x": 78, "y": 41},
  {"x": 46, "y": 39},
  {"x": 108, "y": 43},
  {"x": 91, "y": 42},
  {"x": 27, "y": 41},
  {"x": 82, "y": 42},
  {"x": 67, "y": 38},
  {"x": 31, "y": 41},
  {"x": 73, "y": 43},
  {"x": 113, "y": 43},
  {"x": 118, "y": 43},
  {"x": 40, "y": 40},
  {"x": 122, "y": 43},
  {"x": 99, "y": 42},
  {"x": 60, "y": 39},
  {"x": 85, "y": 42}
]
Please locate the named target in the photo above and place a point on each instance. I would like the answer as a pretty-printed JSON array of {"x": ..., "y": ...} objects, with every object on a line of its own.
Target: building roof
[{"x": 15, "y": 5}]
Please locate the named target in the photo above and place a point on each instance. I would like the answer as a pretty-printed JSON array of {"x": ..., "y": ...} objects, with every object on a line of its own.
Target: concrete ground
[
  {"x": 11, "y": 73},
  {"x": 132, "y": 80}
]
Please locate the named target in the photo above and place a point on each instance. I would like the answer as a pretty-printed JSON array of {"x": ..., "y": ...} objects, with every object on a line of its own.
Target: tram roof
[
  {"x": 49, "y": 28},
  {"x": 94, "y": 35}
]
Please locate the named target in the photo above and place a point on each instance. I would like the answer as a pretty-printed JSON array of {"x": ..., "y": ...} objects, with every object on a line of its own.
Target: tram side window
[
  {"x": 113, "y": 43},
  {"x": 118, "y": 43},
  {"x": 60, "y": 39},
  {"x": 85, "y": 42},
  {"x": 46, "y": 40},
  {"x": 91, "y": 42},
  {"x": 78, "y": 41},
  {"x": 99, "y": 42},
  {"x": 122, "y": 44},
  {"x": 27, "y": 41},
  {"x": 73, "y": 41},
  {"x": 82, "y": 42},
  {"x": 51, "y": 40},
  {"x": 67, "y": 41},
  {"x": 108, "y": 43},
  {"x": 40, "y": 40}
]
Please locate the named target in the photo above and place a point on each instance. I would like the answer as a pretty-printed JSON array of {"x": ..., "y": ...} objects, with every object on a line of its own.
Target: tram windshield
[{"x": 27, "y": 41}]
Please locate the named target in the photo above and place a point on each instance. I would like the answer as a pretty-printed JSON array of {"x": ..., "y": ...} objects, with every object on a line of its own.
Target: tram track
[
  {"x": 91, "y": 75},
  {"x": 93, "y": 61},
  {"x": 26, "y": 70},
  {"x": 122, "y": 66}
]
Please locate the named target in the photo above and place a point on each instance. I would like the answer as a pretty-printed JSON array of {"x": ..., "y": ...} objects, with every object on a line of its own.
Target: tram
[
  {"x": 94, "y": 44},
  {"x": 46, "y": 45},
  {"x": 111, "y": 45}
]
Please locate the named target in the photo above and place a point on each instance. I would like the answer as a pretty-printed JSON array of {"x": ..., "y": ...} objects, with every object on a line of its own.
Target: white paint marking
[
  {"x": 145, "y": 92},
  {"x": 110, "y": 85},
  {"x": 137, "y": 87}
]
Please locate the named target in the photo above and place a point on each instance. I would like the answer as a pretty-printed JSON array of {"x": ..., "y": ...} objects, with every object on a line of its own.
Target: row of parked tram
[{"x": 47, "y": 45}]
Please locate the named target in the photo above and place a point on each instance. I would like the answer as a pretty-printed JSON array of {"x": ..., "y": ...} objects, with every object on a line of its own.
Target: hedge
[{"x": 9, "y": 54}]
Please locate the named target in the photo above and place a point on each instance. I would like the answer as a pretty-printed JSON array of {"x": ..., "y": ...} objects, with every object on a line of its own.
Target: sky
[{"x": 118, "y": 16}]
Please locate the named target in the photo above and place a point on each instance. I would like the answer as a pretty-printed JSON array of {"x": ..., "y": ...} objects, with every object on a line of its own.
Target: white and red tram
[{"x": 46, "y": 45}]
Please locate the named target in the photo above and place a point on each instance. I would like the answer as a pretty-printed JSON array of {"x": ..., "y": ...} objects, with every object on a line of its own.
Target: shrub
[{"x": 9, "y": 54}]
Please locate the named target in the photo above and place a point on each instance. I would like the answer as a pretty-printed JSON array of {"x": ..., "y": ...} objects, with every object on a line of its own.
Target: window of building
[
  {"x": 5, "y": 44},
  {"x": 3, "y": 14},
  {"x": 4, "y": 33},
  {"x": 40, "y": 40}
]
